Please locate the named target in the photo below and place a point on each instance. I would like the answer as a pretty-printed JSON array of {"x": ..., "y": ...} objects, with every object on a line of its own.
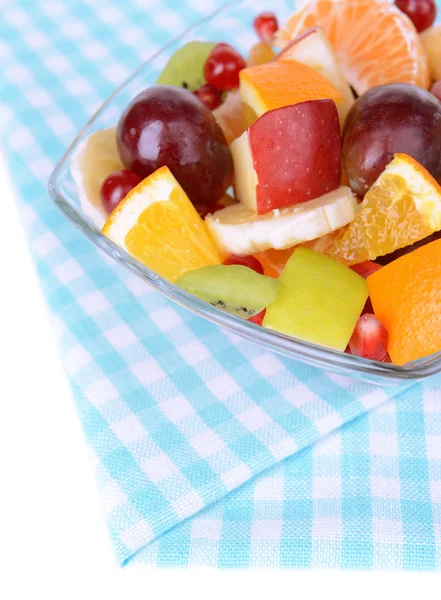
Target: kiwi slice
[
  {"x": 234, "y": 288},
  {"x": 186, "y": 67}
]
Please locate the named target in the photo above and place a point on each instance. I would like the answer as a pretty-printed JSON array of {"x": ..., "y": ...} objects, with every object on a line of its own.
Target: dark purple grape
[
  {"x": 169, "y": 126},
  {"x": 397, "y": 117}
]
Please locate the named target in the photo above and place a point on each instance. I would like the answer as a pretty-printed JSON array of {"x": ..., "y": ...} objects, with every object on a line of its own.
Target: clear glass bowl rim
[{"x": 295, "y": 349}]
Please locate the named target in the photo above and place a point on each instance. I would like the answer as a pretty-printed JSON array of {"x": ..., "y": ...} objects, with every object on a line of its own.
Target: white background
[{"x": 53, "y": 540}]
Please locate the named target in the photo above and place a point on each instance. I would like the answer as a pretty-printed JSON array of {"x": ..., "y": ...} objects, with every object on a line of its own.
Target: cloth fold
[{"x": 188, "y": 425}]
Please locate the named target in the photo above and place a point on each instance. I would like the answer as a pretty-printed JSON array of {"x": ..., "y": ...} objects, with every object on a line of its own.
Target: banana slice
[
  {"x": 238, "y": 230},
  {"x": 94, "y": 159}
]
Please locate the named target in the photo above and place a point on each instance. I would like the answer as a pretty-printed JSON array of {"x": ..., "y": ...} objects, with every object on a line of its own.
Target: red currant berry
[
  {"x": 246, "y": 261},
  {"x": 422, "y": 13},
  {"x": 116, "y": 187},
  {"x": 436, "y": 89},
  {"x": 266, "y": 26},
  {"x": 210, "y": 96},
  {"x": 222, "y": 67},
  {"x": 369, "y": 339},
  {"x": 258, "y": 319}
]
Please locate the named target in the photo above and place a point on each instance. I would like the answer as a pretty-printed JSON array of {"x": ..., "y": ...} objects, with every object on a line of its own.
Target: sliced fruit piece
[
  {"x": 186, "y": 67},
  {"x": 95, "y": 158},
  {"x": 274, "y": 261},
  {"x": 431, "y": 40},
  {"x": 230, "y": 116},
  {"x": 313, "y": 48},
  {"x": 402, "y": 207},
  {"x": 158, "y": 225},
  {"x": 406, "y": 296},
  {"x": 288, "y": 156},
  {"x": 260, "y": 54},
  {"x": 281, "y": 83},
  {"x": 234, "y": 288},
  {"x": 319, "y": 302},
  {"x": 237, "y": 230},
  {"x": 357, "y": 30}
]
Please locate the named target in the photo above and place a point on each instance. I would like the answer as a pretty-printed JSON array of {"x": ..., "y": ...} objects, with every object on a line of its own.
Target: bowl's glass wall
[{"x": 232, "y": 24}]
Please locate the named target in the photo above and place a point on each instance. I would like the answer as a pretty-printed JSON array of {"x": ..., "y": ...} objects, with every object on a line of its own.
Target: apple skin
[
  {"x": 166, "y": 125},
  {"x": 386, "y": 120},
  {"x": 294, "y": 153}
]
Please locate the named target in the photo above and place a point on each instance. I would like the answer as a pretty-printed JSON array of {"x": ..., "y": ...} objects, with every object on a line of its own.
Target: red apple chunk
[{"x": 290, "y": 155}]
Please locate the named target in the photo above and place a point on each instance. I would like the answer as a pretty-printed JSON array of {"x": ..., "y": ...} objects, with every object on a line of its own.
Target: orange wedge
[
  {"x": 406, "y": 296},
  {"x": 274, "y": 261},
  {"x": 158, "y": 225},
  {"x": 401, "y": 208},
  {"x": 374, "y": 41},
  {"x": 281, "y": 83}
]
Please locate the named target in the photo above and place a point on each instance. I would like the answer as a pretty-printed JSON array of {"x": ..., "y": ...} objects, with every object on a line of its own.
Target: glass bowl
[{"x": 231, "y": 23}]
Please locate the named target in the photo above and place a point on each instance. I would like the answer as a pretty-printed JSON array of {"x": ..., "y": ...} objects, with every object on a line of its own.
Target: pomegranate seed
[
  {"x": 266, "y": 26},
  {"x": 366, "y": 268},
  {"x": 222, "y": 67},
  {"x": 369, "y": 339},
  {"x": 246, "y": 261},
  {"x": 258, "y": 319},
  {"x": 422, "y": 13},
  {"x": 436, "y": 89},
  {"x": 210, "y": 96}
]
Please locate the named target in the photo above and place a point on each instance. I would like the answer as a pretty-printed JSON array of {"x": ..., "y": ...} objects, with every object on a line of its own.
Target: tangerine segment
[
  {"x": 282, "y": 83},
  {"x": 406, "y": 296},
  {"x": 158, "y": 225},
  {"x": 401, "y": 208},
  {"x": 374, "y": 41}
]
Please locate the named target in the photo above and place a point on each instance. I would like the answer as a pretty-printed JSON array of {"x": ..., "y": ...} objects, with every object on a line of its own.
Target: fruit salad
[{"x": 297, "y": 187}]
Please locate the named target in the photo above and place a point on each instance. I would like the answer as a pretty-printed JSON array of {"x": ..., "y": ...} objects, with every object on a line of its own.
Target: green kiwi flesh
[
  {"x": 233, "y": 288},
  {"x": 186, "y": 67}
]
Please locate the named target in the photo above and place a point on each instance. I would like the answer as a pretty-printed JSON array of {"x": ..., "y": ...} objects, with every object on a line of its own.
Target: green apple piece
[
  {"x": 320, "y": 300},
  {"x": 186, "y": 67}
]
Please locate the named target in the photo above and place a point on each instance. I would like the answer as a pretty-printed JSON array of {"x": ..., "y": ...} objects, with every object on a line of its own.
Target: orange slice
[
  {"x": 274, "y": 261},
  {"x": 158, "y": 225},
  {"x": 401, "y": 208},
  {"x": 374, "y": 41},
  {"x": 281, "y": 83},
  {"x": 406, "y": 296}
]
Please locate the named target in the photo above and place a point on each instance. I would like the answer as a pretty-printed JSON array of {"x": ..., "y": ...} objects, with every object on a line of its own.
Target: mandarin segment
[
  {"x": 406, "y": 296},
  {"x": 374, "y": 41},
  {"x": 158, "y": 225},
  {"x": 402, "y": 207}
]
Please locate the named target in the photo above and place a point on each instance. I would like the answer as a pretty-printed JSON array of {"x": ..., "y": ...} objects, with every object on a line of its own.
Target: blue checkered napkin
[{"x": 179, "y": 415}]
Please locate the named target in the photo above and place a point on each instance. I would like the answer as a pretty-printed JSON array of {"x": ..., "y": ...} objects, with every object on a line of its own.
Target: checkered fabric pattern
[{"x": 182, "y": 419}]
